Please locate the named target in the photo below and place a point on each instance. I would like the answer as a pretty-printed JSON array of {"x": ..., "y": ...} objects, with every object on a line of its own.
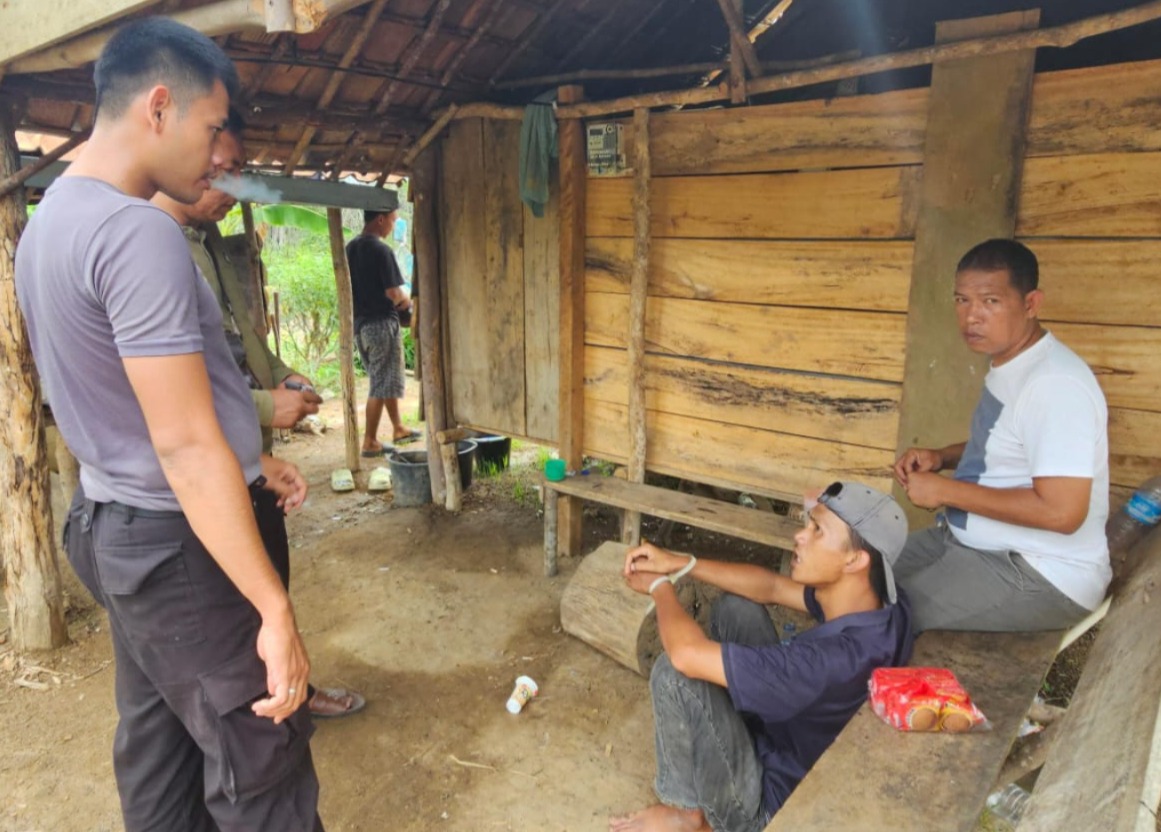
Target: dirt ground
[{"x": 432, "y": 617}]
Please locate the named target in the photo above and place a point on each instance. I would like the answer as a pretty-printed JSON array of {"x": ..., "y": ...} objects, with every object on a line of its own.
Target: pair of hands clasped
[
  {"x": 916, "y": 471},
  {"x": 646, "y": 562}
]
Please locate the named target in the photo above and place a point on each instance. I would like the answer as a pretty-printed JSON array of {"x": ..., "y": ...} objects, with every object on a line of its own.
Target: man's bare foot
[{"x": 661, "y": 818}]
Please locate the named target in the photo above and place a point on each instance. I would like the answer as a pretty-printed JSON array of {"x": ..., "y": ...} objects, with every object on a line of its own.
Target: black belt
[{"x": 167, "y": 514}]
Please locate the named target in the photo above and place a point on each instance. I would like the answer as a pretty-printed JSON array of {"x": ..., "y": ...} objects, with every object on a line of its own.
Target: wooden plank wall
[
  {"x": 501, "y": 276},
  {"x": 781, "y": 259}
]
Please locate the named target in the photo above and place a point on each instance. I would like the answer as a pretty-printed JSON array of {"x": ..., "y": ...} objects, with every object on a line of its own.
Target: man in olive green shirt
[{"x": 278, "y": 405}]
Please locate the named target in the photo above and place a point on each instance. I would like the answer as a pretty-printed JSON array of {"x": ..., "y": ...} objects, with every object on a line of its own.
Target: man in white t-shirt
[{"x": 1021, "y": 545}]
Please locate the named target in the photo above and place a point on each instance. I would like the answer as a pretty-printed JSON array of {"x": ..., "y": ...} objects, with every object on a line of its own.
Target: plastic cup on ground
[{"x": 525, "y": 689}]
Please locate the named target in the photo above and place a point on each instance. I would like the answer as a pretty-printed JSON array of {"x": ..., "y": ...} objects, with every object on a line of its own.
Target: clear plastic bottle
[
  {"x": 1141, "y": 513},
  {"x": 1009, "y": 803}
]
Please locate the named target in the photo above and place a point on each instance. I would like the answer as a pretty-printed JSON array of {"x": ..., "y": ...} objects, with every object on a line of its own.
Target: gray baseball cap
[{"x": 875, "y": 516}]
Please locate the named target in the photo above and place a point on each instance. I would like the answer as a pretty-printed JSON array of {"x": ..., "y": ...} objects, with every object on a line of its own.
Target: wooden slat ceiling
[{"x": 355, "y": 94}]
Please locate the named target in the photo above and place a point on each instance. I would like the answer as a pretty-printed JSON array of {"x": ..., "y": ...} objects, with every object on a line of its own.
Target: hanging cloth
[{"x": 537, "y": 149}]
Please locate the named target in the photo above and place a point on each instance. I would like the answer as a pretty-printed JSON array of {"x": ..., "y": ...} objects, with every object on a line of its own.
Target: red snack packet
[{"x": 923, "y": 699}]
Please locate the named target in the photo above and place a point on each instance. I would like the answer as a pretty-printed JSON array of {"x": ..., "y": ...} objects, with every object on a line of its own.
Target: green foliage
[
  {"x": 542, "y": 456},
  {"x": 304, "y": 277}
]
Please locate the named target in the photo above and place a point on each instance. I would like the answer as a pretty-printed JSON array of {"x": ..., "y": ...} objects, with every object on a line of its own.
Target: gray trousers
[
  {"x": 955, "y": 587},
  {"x": 705, "y": 750},
  {"x": 189, "y": 755}
]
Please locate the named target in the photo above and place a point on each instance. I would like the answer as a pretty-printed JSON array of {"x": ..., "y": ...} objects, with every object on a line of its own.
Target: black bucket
[
  {"x": 466, "y": 450},
  {"x": 493, "y": 453},
  {"x": 410, "y": 479}
]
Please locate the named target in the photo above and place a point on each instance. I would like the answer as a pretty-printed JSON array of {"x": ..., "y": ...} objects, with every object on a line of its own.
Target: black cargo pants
[{"x": 189, "y": 754}]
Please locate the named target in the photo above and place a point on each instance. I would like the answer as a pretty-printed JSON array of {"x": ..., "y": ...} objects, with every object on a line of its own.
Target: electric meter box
[{"x": 605, "y": 151}]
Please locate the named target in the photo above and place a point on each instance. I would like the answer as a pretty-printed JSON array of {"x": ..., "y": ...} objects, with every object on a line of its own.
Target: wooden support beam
[
  {"x": 279, "y": 15},
  {"x": 27, "y": 539},
  {"x": 425, "y": 222},
  {"x": 638, "y": 293},
  {"x": 971, "y": 180},
  {"x": 223, "y": 17},
  {"x": 449, "y": 436},
  {"x": 1057, "y": 36},
  {"x": 739, "y": 44},
  {"x": 336, "y": 80},
  {"x": 346, "y": 336},
  {"x": 454, "y": 492},
  {"x": 412, "y": 55},
  {"x": 257, "y": 289},
  {"x": 30, "y": 27},
  {"x": 24, "y": 173},
  {"x": 573, "y": 176},
  {"x": 429, "y": 136},
  {"x": 663, "y": 71},
  {"x": 551, "y": 523}
]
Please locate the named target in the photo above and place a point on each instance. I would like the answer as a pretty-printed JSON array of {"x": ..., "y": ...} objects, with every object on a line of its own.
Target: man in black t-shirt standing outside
[{"x": 379, "y": 297}]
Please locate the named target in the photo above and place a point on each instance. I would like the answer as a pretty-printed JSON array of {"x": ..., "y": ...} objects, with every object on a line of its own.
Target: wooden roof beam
[
  {"x": 31, "y": 27},
  {"x": 738, "y": 36},
  {"x": 530, "y": 34},
  {"x": 412, "y": 55},
  {"x": 220, "y": 18},
  {"x": 336, "y": 80}
]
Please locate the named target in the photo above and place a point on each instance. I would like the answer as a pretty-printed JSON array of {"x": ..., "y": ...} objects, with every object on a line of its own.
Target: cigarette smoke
[{"x": 248, "y": 189}]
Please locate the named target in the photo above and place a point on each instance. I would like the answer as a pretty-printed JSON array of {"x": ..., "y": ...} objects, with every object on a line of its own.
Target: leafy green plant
[
  {"x": 542, "y": 456},
  {"x": 304, "y": 277}
]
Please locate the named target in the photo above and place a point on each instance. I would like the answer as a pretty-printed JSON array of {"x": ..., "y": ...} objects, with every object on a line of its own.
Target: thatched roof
[{"x": 357, "y": 92}]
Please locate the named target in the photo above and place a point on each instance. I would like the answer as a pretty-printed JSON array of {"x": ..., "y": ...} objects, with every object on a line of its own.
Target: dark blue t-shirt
[{"x": 805, "y": 692}]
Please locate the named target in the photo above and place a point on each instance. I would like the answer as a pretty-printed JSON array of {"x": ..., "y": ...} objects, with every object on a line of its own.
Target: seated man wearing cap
[{"x": 740, "y": 717}]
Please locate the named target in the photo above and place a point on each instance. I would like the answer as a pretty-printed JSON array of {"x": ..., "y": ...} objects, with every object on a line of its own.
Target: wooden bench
[
  {"x": 1102, "y": 771},
  {"x": 715, "y": 515}
]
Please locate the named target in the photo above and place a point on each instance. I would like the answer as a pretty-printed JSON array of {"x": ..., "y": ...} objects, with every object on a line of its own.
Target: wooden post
[
  {"x": 550, "y": 527},
  {"x": 451, "y": 474},
  {"x": 27, "y": 547},
  {"x": 638, "y": 294},
  {"x": 424, "y": 179},
  {"x": 573, "y": 174},
  {"x": 277, "y": 323},
  {"x": 256, "y": 291},
  {"x": 971, "y": 181},
  {"x": 737, "y": 60},
  {"x": 346, "y": 336}
]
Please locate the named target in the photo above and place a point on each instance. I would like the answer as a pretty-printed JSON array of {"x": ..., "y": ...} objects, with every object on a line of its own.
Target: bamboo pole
[
  {"x": 22, "y": 175},
  {"x": 27, "y": 546},
  {"x": 570, "y": 434},
  {"x": 346, "y": 336},
  {"x": 638, "y": 294},
  {"x": 425, "y": 223}
]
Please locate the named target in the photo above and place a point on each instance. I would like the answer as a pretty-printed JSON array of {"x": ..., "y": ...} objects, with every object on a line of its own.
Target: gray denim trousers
[
  {"x": 705, "y": 751},
  {"x": 955, "y": 587}
]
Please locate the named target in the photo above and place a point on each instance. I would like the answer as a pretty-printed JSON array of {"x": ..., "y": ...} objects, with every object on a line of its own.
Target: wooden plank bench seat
[{"x": 715, "y": 515}]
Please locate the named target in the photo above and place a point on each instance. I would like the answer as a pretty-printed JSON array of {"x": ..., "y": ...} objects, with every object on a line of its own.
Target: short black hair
[
  {"x": 370, "y": 216},
  {"x": 157, "y": 50},
  {"x": 878, "y": 574},
  {"x": 1003, "y": 255},
  {"x": 235, "y": 124}
]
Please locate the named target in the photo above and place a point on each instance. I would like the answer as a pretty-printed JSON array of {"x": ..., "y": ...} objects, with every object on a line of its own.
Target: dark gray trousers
[
  {"x": 705, "y": 751},
  {"x": 189, "y": 755},
  {"x": 955, "y": 587}
]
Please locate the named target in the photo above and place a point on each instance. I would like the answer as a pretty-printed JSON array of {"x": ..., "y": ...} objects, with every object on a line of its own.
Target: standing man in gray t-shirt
[{"x": 211, "y": 669}]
